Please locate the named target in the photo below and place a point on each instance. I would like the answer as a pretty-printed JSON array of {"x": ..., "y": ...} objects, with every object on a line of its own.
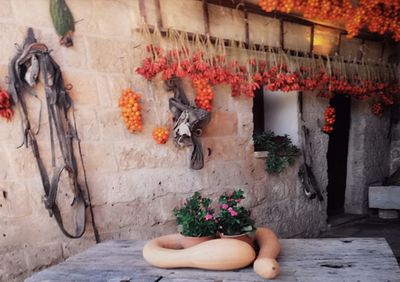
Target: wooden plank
[
  {"x": 142, "y": 9},
  {"x": 312, "y": 38},
  {"x": 256, "y": 9},
  {"x": 350, "y": 259},
  {"x": 384, "y": 197},
  {"x": 246, "y": 27},
  {"x": 158, "y": 14},
  {"x": 206, "y": 18}
]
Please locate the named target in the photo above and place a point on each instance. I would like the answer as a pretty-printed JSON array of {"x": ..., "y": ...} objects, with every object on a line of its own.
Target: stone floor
[{"x": 370, "y": 226}]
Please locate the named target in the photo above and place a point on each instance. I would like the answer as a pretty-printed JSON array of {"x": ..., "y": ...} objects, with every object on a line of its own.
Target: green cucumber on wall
[{"x": 63, "y": 21}]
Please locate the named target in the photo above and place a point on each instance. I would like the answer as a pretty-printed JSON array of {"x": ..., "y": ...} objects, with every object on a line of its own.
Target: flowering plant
[
  {"x": 234, "y": 219},
  {"x": 196, "y": 218}
]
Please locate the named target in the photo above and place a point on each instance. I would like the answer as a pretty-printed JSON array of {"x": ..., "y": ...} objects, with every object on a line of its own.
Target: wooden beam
[
  {"x": 282, "y": 33},
  {"x": 255, "y": 9},
  {"x": 246, "y": 27},
  {"x": 362, "y": 49},
  {"x": 142, "y": 9},
  {"x": 312, "y": 38},
  {"x": 340, "y": 43},
  {"x": 206, "y": 18},
  {"x": 383, "y": 50},
  {"x": 259, "y": 47},
  {"x": 158, "y": 14}
]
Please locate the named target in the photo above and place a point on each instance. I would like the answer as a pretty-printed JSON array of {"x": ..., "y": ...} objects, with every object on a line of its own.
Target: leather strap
[{"x": 58, "y": 104}]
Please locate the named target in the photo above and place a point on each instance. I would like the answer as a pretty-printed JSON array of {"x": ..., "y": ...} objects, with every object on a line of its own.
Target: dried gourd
[{"x": 63, "y": 21}]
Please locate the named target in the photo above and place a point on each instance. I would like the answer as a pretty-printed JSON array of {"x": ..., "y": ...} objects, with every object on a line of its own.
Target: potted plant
[
  {"x": 195, "y": 220},
  {"x": 281, "y": 151},
  {"x": 234, "y": 220}
]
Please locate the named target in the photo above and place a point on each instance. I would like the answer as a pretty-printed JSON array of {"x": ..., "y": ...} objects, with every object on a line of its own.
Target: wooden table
[{"x": 322, "y": 260}]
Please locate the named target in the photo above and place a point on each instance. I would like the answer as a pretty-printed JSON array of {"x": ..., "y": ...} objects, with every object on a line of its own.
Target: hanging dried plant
[{"x": 63, "y": 21}]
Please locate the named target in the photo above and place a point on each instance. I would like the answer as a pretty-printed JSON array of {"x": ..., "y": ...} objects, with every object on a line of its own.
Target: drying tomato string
[
  {"x": 160, "y": 135},
  {"x": 275, "y": 77},
  {"x": 5, "y": 105},
  {"x": 129, "y": 103},
  {"x": 330, "y": 119}
]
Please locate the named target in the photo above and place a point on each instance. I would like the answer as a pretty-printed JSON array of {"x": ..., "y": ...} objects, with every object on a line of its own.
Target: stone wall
[
  {"x": 395, "y": 121},
  {"x": 135, "y": 183},
  {"x": 368, "y": 157}
]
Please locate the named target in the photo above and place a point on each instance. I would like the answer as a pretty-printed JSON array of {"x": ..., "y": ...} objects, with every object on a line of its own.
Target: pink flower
[
  {"x": 238, "y": 200},
  {"x": 224, "y": 206},
  {"x": 233, "y": 213},
  {"x": 208, "y": 216},
  {"x": 230, "y": 209}
]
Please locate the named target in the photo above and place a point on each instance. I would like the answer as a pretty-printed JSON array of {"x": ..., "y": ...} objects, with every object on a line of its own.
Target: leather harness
[{"x": 35, "y": 57}]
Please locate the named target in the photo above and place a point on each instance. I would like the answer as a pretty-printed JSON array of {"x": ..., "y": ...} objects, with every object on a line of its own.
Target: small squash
[{"x": 266, "y": 265}]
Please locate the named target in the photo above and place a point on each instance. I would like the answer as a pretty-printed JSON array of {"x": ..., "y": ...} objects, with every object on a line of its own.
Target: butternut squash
[
  {"x": 265, "y": 265},
  {"x": 217, "y": 254}
]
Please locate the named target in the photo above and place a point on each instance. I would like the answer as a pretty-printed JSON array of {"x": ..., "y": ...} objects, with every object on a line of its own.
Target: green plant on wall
[{"x": 281, "y": 151}]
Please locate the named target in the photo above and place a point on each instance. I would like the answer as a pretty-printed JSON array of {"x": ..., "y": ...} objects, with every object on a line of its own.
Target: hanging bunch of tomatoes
[
  {"x": 377, "y": 16},
  {"x": 129, "y": 103},
  {"x": 274, "y": 73},
  {"x": 161, "y": 135},
  {"x": 204, "y": 94},
  {"x": 5, "y": 105},
  {"x": 377, "y": 109},
  {"x": 330, "y": 118}
]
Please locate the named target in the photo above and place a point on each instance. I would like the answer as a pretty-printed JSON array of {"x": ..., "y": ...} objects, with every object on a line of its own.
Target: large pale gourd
[{"x": 218, "y": 254}]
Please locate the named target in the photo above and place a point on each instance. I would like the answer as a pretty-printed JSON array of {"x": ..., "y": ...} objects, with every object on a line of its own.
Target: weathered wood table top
[{"x": 322, "y": 260}]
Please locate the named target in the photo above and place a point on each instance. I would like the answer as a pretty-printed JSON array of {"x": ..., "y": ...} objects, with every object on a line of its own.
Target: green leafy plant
[
  {"x": 281, "y": 151},
  {"x": 196, "y": 218},
  {"x": 234, "y": 219}
]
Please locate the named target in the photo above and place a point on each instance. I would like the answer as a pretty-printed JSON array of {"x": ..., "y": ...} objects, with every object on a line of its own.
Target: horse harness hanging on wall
[
  {"x": 188, "y": 122},
  {"x": 24, "y": 68}
]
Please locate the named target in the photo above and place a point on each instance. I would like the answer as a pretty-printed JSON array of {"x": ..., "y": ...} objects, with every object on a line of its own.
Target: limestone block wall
[{"x": 135, "y": 183}]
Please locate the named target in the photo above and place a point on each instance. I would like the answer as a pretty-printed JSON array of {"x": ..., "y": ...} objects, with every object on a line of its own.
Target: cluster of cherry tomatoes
[
  {"x": 376, "y": 15},
  {"x": 377, "y": 109},
  {"x": 161, "y": 135},
  {"x": 5, "y": 105},
  {"x": 320, "y": 9},
  {"x": 330, "y": 118},
  {"x": 129, "y": 103},
  {"x": 204, "y": 94}
]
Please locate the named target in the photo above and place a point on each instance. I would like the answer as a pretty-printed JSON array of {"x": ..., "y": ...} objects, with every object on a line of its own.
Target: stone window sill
[{"x": 261, "y": 154}]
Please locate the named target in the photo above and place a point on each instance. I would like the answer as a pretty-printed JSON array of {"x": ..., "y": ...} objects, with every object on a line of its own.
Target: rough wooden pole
[
  {"x": 312, "y": 38},
  {"x": 206, "y": 18},
  {"x": 246, "y": 26},
  {"x": 282, "y": 33},
  {"x": 158, "y": 14},
  {"x": 142, "y": 9}
]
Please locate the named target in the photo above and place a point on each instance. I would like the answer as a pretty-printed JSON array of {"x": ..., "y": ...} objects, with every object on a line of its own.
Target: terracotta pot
[
  {"x": 187, "y": 242},
  {"x": 245, "y": 237}
]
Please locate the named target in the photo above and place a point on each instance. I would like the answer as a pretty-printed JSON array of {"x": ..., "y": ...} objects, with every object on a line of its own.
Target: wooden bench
[{"x": 322, "y": 260}]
